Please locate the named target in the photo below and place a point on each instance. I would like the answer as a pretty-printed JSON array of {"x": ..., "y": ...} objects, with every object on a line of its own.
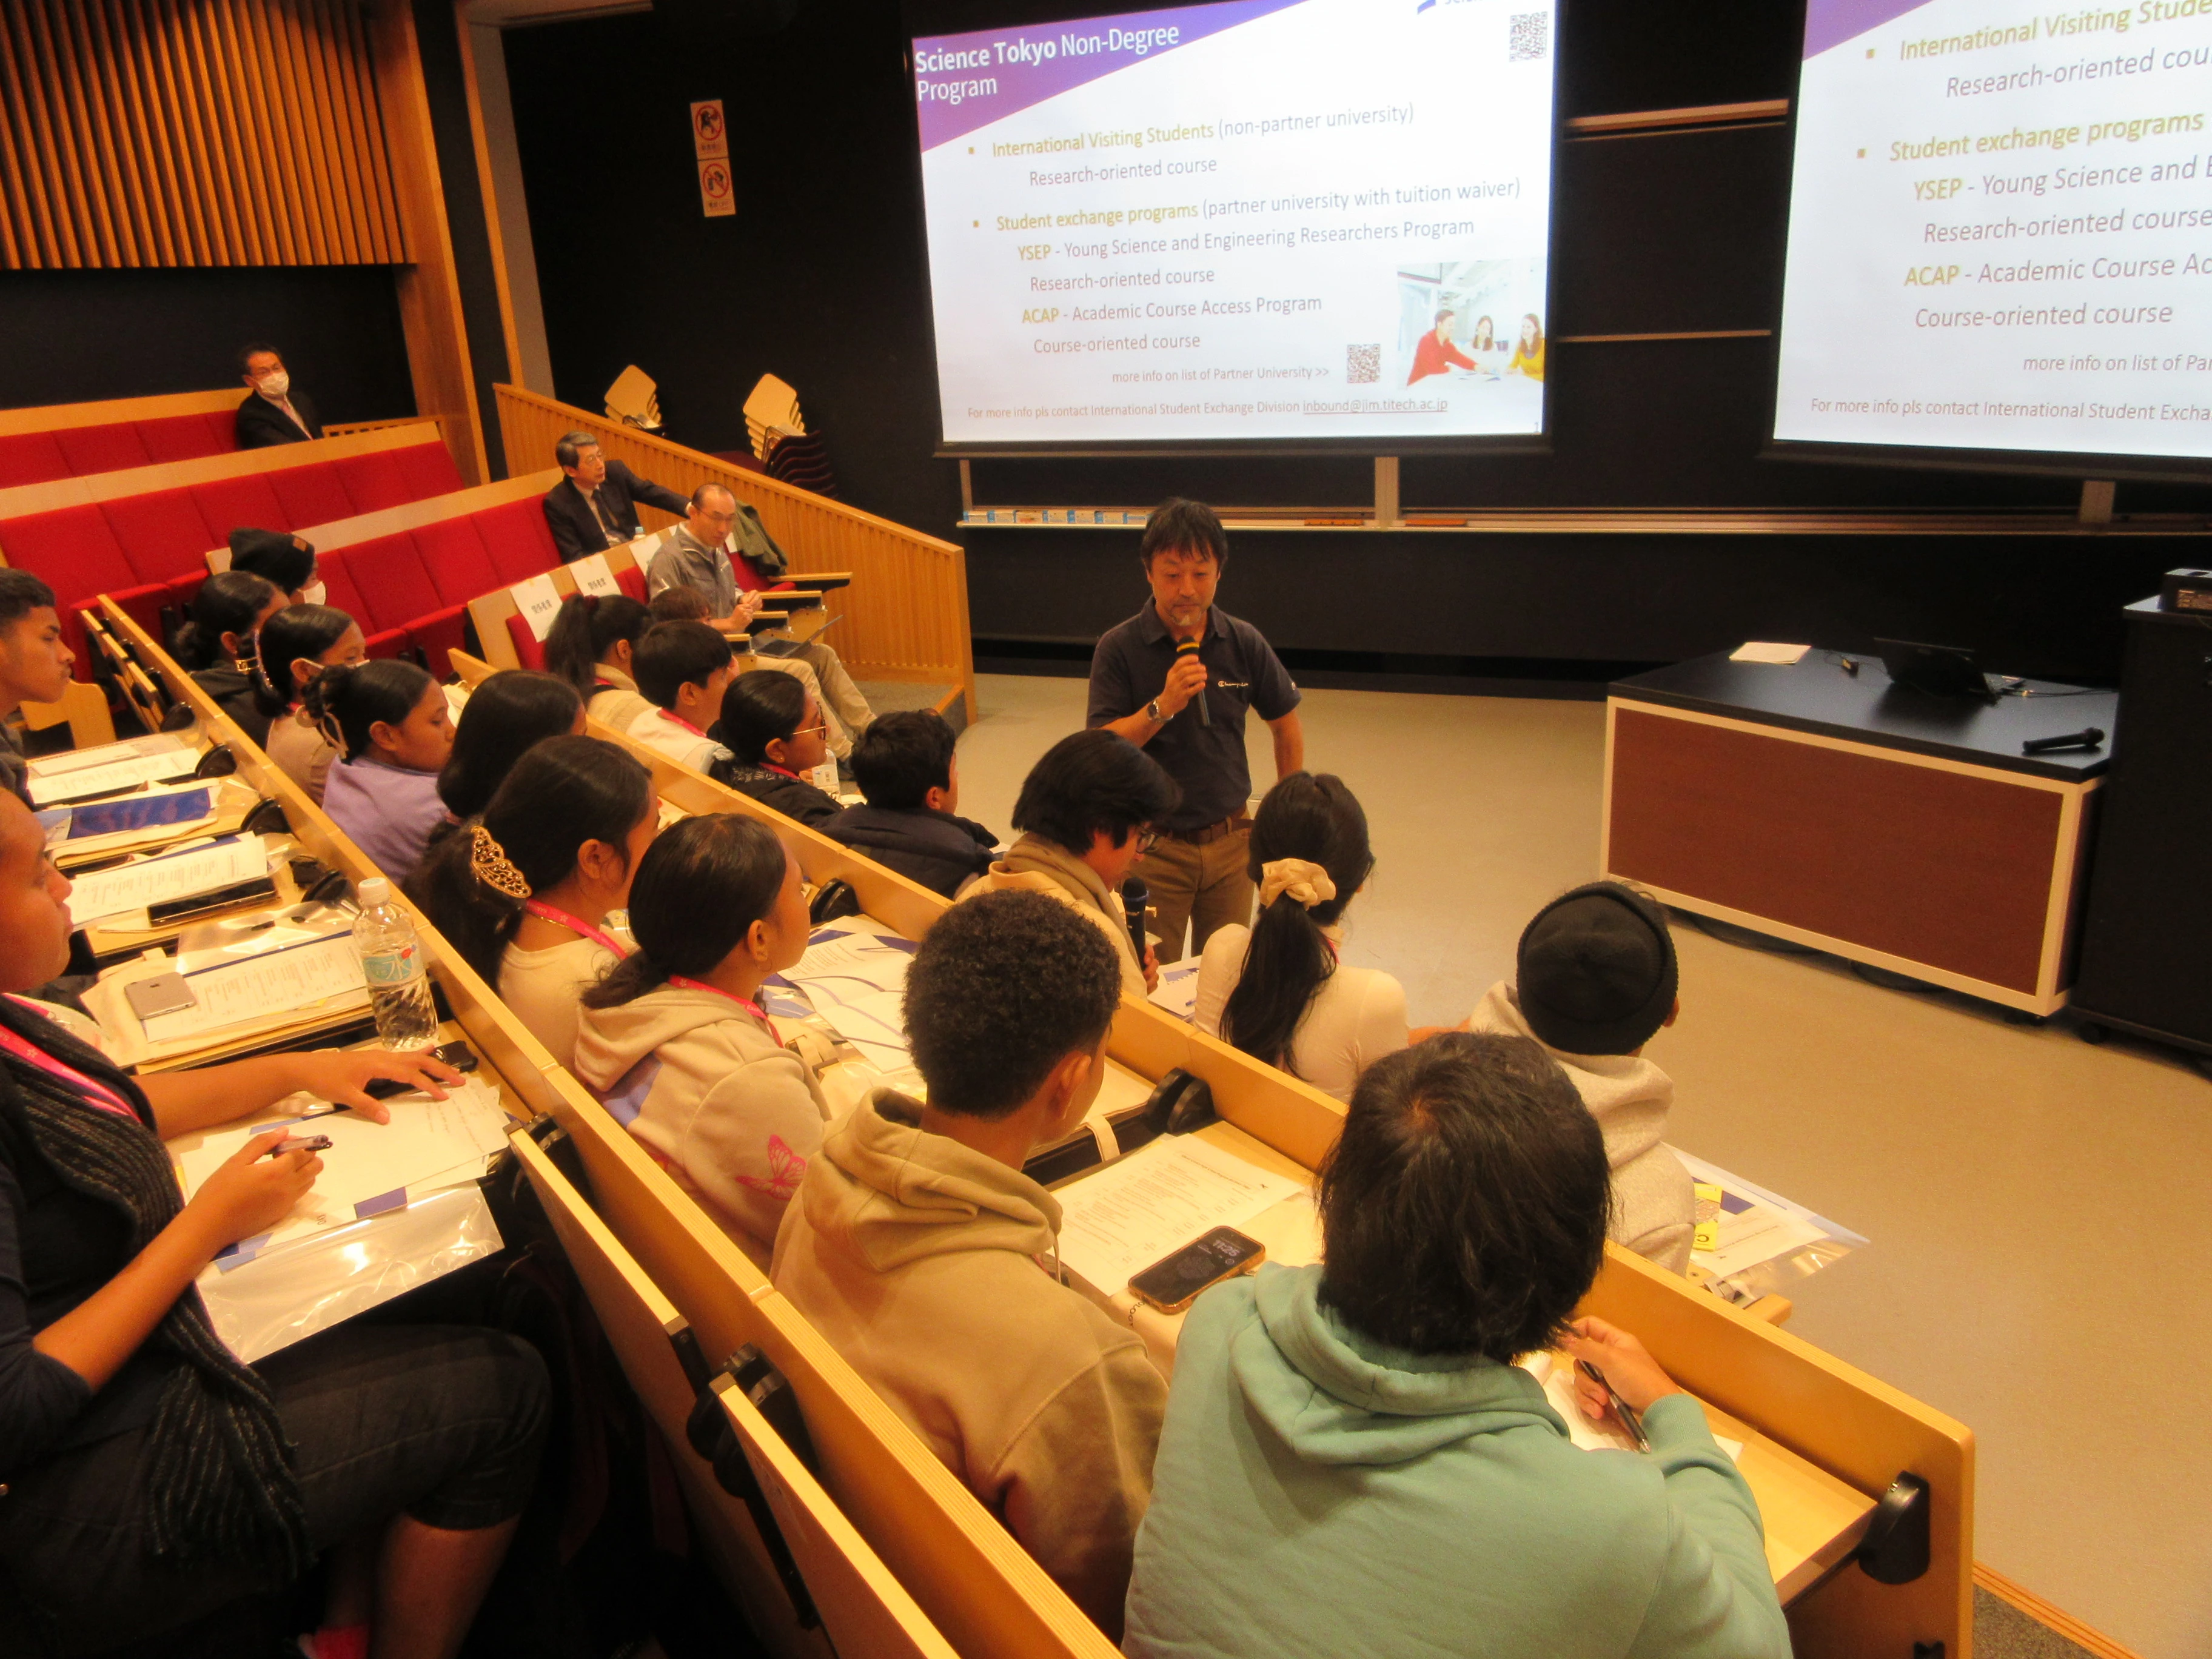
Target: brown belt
[{"x": 1212, "y": 832}]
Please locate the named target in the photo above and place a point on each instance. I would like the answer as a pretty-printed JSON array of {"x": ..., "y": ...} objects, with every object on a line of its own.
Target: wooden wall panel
[{"x": 191, "y": 132}]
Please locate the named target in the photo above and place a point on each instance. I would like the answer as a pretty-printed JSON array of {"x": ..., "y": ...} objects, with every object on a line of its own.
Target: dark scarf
[{"x": 217, "y": 1477}]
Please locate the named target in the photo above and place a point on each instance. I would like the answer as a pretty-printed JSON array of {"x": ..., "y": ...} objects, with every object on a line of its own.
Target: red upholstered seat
[
  {"x": 632, "y": 582},
  {"x": 517, "y": 537},
  {"x": 429, "y": 470},
  {"x": 143, "y": 603},
  {"x": 185, "y": 437},
  {"x": 374, "y": 481},
  {"x": 337, "y": 579},
  {"x": 388, "y": 575},
  {"x": 390, "y": 642},
  {"x": 312, "y": 494},
  {"x": 30, "y": 457},
  {"x": 527, "y": 651},
  {"x": 103, "y": 448},
  {"x": 74, "y": 552},
  {"x": 438, "y": 633},
  {"x": 242, "y": 503},
  {"x": 162, "y": 534},
  {"x": 460, "y": 564}
]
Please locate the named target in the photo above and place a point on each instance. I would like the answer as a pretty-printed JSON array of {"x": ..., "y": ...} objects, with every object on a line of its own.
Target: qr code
[
  {"x": 1532, "y": 36},
  {"x": 1363, "y": 365}
]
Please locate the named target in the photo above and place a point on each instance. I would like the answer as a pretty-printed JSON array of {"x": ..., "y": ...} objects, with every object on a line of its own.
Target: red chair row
[
  {"x": 149, "y": 551},
  {"x": 529, "y": 650},
  {"x": 73, "y": 452},
  {"x": 410, "y": 590}
]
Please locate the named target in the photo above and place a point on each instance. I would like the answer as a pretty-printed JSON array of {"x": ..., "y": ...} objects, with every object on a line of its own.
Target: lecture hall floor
[{"x": 2041, "y": 1238}]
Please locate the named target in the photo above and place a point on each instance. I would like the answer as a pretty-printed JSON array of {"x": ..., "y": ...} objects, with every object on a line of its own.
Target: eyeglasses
[
  {"x": 818, "y": 725},
  {"x": 1146, "y": 840}
]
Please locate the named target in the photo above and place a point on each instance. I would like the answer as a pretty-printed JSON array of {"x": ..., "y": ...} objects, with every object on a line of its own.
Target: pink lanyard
[
  {"x": 752, "y": 1008},
  {"x": 668, "y": 715},
  {"x": 770, "y": 766},
  {"x": 96, "y": 1094},
  {"x": 575, "y": 925}
]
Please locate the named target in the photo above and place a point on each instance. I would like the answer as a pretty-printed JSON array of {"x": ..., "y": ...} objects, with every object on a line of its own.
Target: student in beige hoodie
[
  {"x": 1086, "y": 812},
  {"x": 1594, "y": 982},
  {"x": 674, "y": 1041},
  {"x": 927, "y": 1257}
]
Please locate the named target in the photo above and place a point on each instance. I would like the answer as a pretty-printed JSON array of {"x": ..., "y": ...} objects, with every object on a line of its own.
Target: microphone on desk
[
  {"x": 1136, "y": 898},
  {"x": 2089, "y": 737},
  {"x": 1190, "y": 648}
]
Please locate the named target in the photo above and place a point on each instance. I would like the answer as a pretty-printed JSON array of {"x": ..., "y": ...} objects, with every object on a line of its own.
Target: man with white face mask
[
  {"x": 279, "y": 557},
  {"x": 274, "y": 414}
]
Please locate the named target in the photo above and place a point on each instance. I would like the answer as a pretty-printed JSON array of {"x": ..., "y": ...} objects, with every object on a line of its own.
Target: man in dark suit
[
  {"x": 596, "y": 505},
  {"x": 274, "y": 413}
]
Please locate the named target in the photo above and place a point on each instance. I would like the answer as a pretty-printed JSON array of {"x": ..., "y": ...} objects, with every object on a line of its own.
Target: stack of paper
[
  {"x": 116, "y": 766},
  {"x": 124, "y": 890},
  {"x": 1115, "y": 1224},
  {"x": 1178, "y": 991},
  {"x": 321, "y": 972},
  {"x": 153, "y": 816},
  {"x": 853, "y": 973},
  {"x": 1743, "y": 1227}
]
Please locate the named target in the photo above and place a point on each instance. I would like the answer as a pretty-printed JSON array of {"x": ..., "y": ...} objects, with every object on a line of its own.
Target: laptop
[{"x": 1940, "y": 670}]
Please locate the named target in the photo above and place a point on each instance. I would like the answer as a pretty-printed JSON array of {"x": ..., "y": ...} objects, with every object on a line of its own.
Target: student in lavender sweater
[{"x": 388, "y": 721}]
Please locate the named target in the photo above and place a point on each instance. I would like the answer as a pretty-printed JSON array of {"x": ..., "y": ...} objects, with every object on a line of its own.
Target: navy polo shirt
[{"x": 1130, "y": 669}]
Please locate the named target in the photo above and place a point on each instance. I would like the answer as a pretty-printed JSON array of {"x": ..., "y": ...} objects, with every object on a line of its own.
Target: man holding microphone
[{"x": 1176, "y": 679}]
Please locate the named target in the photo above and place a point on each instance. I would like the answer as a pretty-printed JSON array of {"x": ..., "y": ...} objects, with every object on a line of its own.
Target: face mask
[
  {"x": 312, "y": 593},
  {"x": 275, "y": 385}
]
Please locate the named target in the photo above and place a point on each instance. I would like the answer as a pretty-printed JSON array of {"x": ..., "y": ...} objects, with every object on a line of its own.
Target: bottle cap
[{"x": 375, "y": 891}]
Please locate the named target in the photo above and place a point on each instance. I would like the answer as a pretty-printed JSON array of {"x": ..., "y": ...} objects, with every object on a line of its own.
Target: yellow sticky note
[{"x": 1707, "y": 1236}]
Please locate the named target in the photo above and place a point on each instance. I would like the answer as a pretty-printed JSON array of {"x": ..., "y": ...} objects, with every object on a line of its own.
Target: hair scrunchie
[
  {"x": 1307, "y": 884},
  {"x": 489, "y": 863}
]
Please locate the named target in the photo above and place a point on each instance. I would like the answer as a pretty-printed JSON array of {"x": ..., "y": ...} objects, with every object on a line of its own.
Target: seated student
[
  {"x": 682, "y": 668},
  {"x": 773, "y": 729},
  {"x": 679, "y": 605},
  {"x": 1276, "y": 989},
  {"x": 1086, "y": 813},
  {"x": 388, "y": 721},
  {"x": 508, "y": 715},
  {"x": 151, "y": 1477},
  {"x": 282, "y": 558},
  {"x": 674, "y": 1040},
  {"x": 684, "y": 604},
  {"x": 295, "y": 646},
  {"x": 916, "y": 1244},
  {"x": 1353, "y": 1463},
  {"x": 591, "y": 645},
  {"x": 216, "y": 646},
  {"x": 524, "y": 893},
  {"x": 1594, "y": 982},
  {"x": 904, "y": 765},
  {"x": 34, "y": 664}
]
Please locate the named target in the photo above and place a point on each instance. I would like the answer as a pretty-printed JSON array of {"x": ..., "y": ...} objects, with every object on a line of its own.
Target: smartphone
[
  {"x": 164, "y": 994},
  {"x": 459, "y": 1056},
  {"x": 1173, "y": 1285}
]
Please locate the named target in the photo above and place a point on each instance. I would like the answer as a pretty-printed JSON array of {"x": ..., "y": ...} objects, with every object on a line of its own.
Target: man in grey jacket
[{"x": 696, "y": 555}]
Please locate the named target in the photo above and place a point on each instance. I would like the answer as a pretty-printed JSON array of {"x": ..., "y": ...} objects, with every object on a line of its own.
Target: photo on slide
[{"x": 1476, "y": 320}]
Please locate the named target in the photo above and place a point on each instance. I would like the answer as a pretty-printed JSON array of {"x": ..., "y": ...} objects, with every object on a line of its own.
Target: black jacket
[
  {"x": 794, "y": 798},
  {"x": 577, "y": 529},
  {"x": 233, "y": 694},
  {"x": 935, "y": 848},
  {"x": 261, "y": 423}
]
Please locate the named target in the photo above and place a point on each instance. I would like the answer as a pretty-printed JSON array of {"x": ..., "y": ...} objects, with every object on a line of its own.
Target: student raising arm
[{"x": 674, "y": 1040}]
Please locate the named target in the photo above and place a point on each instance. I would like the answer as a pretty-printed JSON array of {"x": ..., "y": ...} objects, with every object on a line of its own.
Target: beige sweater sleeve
[{"x": 1074, "y": 1482}]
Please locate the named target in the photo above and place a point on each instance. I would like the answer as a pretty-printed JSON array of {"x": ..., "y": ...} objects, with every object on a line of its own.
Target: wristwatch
[{"x": 1153, "y": 713}]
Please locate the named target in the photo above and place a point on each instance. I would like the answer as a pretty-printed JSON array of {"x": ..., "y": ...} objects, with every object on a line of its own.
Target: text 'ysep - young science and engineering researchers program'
[
  {"x": 1242, "y": 222},
  {"x": 2001, "y": 228}
]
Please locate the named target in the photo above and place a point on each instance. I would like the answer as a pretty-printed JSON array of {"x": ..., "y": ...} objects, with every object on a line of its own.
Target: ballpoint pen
[{"x": 1630, "y": 1418}]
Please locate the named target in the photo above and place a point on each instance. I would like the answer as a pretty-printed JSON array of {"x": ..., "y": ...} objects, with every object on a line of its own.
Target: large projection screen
[
  {"x": 1221, "y": 226},
  {"x": 2000, "y": 239}
]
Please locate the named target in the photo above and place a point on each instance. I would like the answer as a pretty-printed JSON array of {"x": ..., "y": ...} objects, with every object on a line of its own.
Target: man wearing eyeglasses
[
  {"x": 696, "y": 555},
  {"x": 1176, "y": 679},
  {"x": 594, "y": 505}
]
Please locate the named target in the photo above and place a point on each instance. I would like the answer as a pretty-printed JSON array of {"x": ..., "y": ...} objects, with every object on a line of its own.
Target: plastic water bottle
[{"x": 399, "y": 975}]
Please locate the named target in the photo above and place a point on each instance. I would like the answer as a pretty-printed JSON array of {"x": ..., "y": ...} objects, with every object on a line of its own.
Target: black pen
[{"x": 1630, "y": 1418}]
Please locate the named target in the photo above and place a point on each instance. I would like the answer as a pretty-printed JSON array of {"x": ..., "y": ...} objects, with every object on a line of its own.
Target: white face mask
[
  {"x": 312, "y": 593},
  {"x": 276, "y": 384}
]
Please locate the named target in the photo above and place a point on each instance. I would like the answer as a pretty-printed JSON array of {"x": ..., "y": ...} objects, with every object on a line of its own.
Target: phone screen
[{"x": 1194, "y": 1267}]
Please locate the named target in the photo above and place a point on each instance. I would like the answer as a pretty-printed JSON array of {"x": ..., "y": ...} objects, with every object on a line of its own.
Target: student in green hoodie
[
  {"x": 1352, "y": 1463},
  {"x": 919, "y": 1249}
]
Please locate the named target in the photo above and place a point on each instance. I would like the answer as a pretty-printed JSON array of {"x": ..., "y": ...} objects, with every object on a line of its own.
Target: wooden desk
[{"x": 1871, "y": 820}]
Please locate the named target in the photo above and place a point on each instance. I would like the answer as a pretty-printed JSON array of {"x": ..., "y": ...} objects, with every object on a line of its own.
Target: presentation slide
[
  {"x": 2001, "y": 228},
  {"x": 1255, "y": 220}
]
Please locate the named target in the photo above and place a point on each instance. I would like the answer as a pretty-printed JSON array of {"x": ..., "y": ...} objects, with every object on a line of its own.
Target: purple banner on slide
[
  {"x": 964, "y": 81},
  {"x": 1830, "y": 22}
]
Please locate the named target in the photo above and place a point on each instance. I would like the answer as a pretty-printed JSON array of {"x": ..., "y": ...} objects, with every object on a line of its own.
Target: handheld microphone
[
  {"x": 1190, "y": 648},
  {"x": 1136, "y": 898},
  {"x": 2089, "y": 737}
]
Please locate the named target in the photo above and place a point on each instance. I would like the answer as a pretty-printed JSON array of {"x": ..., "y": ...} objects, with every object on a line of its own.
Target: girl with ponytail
[
  {"x": 295, "y": 646},
  {"x": 590, "y": 647},
  {"x": 1277, "y": 989},
  {"x": 216, "y": 647},
  {"x": 674, "y": 1040},
  {"x": 524, "y": 893},
  {"x": 389, "y": 723}
]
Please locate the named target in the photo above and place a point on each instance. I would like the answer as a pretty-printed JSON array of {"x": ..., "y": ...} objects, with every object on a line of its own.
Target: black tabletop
[{"x": 1816, "y": 694}]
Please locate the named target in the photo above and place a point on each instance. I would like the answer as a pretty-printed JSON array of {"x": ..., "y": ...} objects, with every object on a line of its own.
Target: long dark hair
[
  {"x": 563, "y": 792},
  {"x": 698, "y": 890},
  {"x": 507, "y": 715},
  {"x": 228, "y": 602},
  {"x": 295, "y": 632},
  {"x": 1309, "y": 816},
  {"x": 345, "y": 701},
  {"x": 587, "y": 627}
]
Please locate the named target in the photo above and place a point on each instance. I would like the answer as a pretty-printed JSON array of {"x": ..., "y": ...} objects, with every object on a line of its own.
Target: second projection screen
[{"x": 1261, "y": 220}]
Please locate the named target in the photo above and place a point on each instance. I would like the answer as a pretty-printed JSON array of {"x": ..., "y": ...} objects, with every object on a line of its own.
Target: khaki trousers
[
  {"x": 1206, "y": 887},
  {"x": 822, "y": 670}
]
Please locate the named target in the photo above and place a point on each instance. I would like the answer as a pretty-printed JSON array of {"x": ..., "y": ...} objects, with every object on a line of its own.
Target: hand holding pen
[{"x": 1614, "y": 1376}]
